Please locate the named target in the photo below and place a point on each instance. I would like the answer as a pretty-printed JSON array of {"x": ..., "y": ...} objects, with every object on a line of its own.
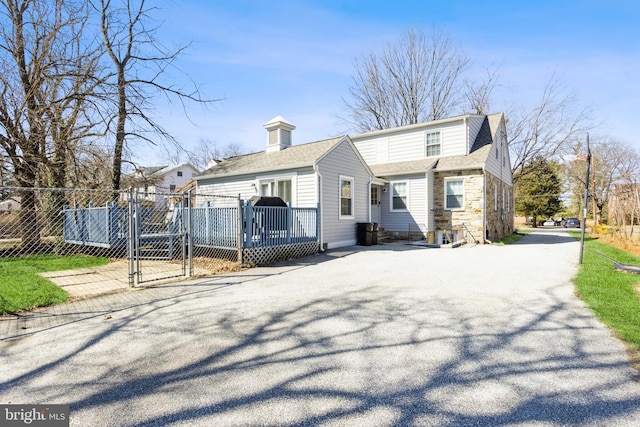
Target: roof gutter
[{"x": 254, "y": 171}]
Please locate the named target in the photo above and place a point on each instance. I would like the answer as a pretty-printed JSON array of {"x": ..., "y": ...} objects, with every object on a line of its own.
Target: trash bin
[
  {"x": 365, "y": 233},
  {"x": 374, "y": 234}
]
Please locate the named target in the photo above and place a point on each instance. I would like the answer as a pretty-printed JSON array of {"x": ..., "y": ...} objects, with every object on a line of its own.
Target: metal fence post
[
  {"x": 131, "y": 240},
  {"x": 189, "y": 234},
  {"x": 240, "y": 230}
]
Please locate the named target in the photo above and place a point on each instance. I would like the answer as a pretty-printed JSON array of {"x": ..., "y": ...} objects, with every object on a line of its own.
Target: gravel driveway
[{"x": 392, "y": 335}]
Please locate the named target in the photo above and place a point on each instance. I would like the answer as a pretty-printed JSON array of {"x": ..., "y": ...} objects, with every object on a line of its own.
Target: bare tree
[
  {"x": 201, "y": 155},
  {"x": 90, "y": 167},
  {"x": 624, "y": 206},
  {"x": 139, "y": 64},
  {"x": 478, "y": 94},
  {"x": 612, "y": 164},
  {"x": 549, "y": 128},
  {"x": 45, "y": 67},
  {"x": 416, "y": 80}
]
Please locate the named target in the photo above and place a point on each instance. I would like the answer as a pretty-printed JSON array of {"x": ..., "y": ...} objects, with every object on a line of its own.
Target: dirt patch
[
  {"x": 633, "y": 354},
  {"x": 205, "y": 266},
  {"x": 627, "y": 246}
]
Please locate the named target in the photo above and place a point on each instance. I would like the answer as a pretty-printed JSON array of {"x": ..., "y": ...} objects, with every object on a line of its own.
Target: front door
[{"x": 375, "y": 204}]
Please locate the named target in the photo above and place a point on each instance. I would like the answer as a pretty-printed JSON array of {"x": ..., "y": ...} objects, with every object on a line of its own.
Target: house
[
  {"x": 447, "y": 180},
  {"x": 329, "y": 174},
  {"x": 10, "y": 204},
  {"x": 444, "y": 181},
  {"x": 156, "y": 183}
]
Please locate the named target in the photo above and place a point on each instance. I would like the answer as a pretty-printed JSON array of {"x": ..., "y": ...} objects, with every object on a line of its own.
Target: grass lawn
[
  {"x": 612, "y": 295},
  {"x": 512, "y": 238},
  {"x": 21, "y": 287}
]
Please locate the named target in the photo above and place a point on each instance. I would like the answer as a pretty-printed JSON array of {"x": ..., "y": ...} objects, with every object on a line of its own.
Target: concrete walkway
[{"x": 392, "y": 335}]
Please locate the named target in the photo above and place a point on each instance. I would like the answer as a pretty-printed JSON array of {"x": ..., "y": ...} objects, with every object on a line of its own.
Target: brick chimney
[{"x": 278, "y": 134}]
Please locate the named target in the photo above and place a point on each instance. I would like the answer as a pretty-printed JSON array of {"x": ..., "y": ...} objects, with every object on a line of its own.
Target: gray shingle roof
[
  {"x": 475, "y": 160},
  {"x": 480, "y": 149},
  {"x": 289, "y": 158},
  {"x": 403, "y": 168}
]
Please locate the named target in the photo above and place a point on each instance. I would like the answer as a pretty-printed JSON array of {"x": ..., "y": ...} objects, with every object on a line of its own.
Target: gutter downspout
[
  {"x": 369, "y": 201},
  {"x": 320, "y": 208}
]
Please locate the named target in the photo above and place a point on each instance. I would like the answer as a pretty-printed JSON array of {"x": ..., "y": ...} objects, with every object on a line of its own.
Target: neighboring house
[
  {"x": 154, "y": 184},
  {"x": 329, "y": 174},
  {"x": 11, "y": 204},
  {"x": 446, "y": 180}
]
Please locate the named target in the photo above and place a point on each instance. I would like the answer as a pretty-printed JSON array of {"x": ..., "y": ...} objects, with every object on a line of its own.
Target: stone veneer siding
[
  {"x": 470, "y": 219},
  {"x": 500, "y": 220},
  {"x": 471, "y": 215}
]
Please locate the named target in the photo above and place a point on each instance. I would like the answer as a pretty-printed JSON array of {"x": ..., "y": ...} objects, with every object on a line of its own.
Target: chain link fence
[
  {"x": 145, "y": 233},
  {"x": 148, "y": 236}
]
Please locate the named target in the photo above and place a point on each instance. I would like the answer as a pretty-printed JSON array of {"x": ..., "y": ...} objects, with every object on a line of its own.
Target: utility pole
[{"x": 586, "y": 200}]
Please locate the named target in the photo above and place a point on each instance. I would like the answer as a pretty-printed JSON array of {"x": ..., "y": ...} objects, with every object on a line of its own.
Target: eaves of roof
[
  {"x": 403, "y": 168},
  {"x": 294, "y": 157},
  {"x": 257, "y": 170},
  {"x": 413, "y": 127}
]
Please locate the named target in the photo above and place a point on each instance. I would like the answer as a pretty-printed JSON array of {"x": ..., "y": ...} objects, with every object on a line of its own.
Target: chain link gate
[{"x": 158, "y": 246}]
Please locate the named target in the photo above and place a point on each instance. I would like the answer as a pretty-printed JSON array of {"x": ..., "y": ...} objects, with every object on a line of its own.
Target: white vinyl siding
[
  {"x": 337, "y": 231},
  {"x": 498, "y": 162},
  {"x": 303, "y": 187},
  {"x": 306, "y": 189},
  {"x": 224, "y": 187},
  {"x": 474, "y": 123},
  {"x": 369, "y": 151},
  {"x": 406, "y": 147},
  {"x": 414, "y": 218},
  {"x": 409, "y": 144}
]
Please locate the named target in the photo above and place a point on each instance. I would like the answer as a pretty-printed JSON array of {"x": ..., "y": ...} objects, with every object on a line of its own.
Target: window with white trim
[
  {"x": 399, "y": 196},
  {"x": 454, "y": 194},
  {"x": 346, "y": 197},
  {"x": 277, "y": 188},
  {"x": 432, "y": 144}
]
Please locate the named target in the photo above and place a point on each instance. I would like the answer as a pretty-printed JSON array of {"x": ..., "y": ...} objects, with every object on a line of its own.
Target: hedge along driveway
[{"x": 392, "y": 335}]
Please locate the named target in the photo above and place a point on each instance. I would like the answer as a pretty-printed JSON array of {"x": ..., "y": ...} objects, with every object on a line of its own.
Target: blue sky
[{"x": 295, "y": 59}]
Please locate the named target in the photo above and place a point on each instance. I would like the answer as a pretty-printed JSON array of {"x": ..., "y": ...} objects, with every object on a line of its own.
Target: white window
[
  {"x": 172, "y": 188},
  {"x": 432, "y": 144},
  {"x": 179, "y": 173},
  {"x": 454, "y": 194},
  {"x": 399, "y": 196},
  {"x": 277, "y": 188},
  {"x": 346, "y": 197}
]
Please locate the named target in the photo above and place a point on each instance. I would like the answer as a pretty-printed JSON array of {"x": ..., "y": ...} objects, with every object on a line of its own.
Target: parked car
[
  {"x": 549, "y": 223},
  {"x": 572, "y": 223}
]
